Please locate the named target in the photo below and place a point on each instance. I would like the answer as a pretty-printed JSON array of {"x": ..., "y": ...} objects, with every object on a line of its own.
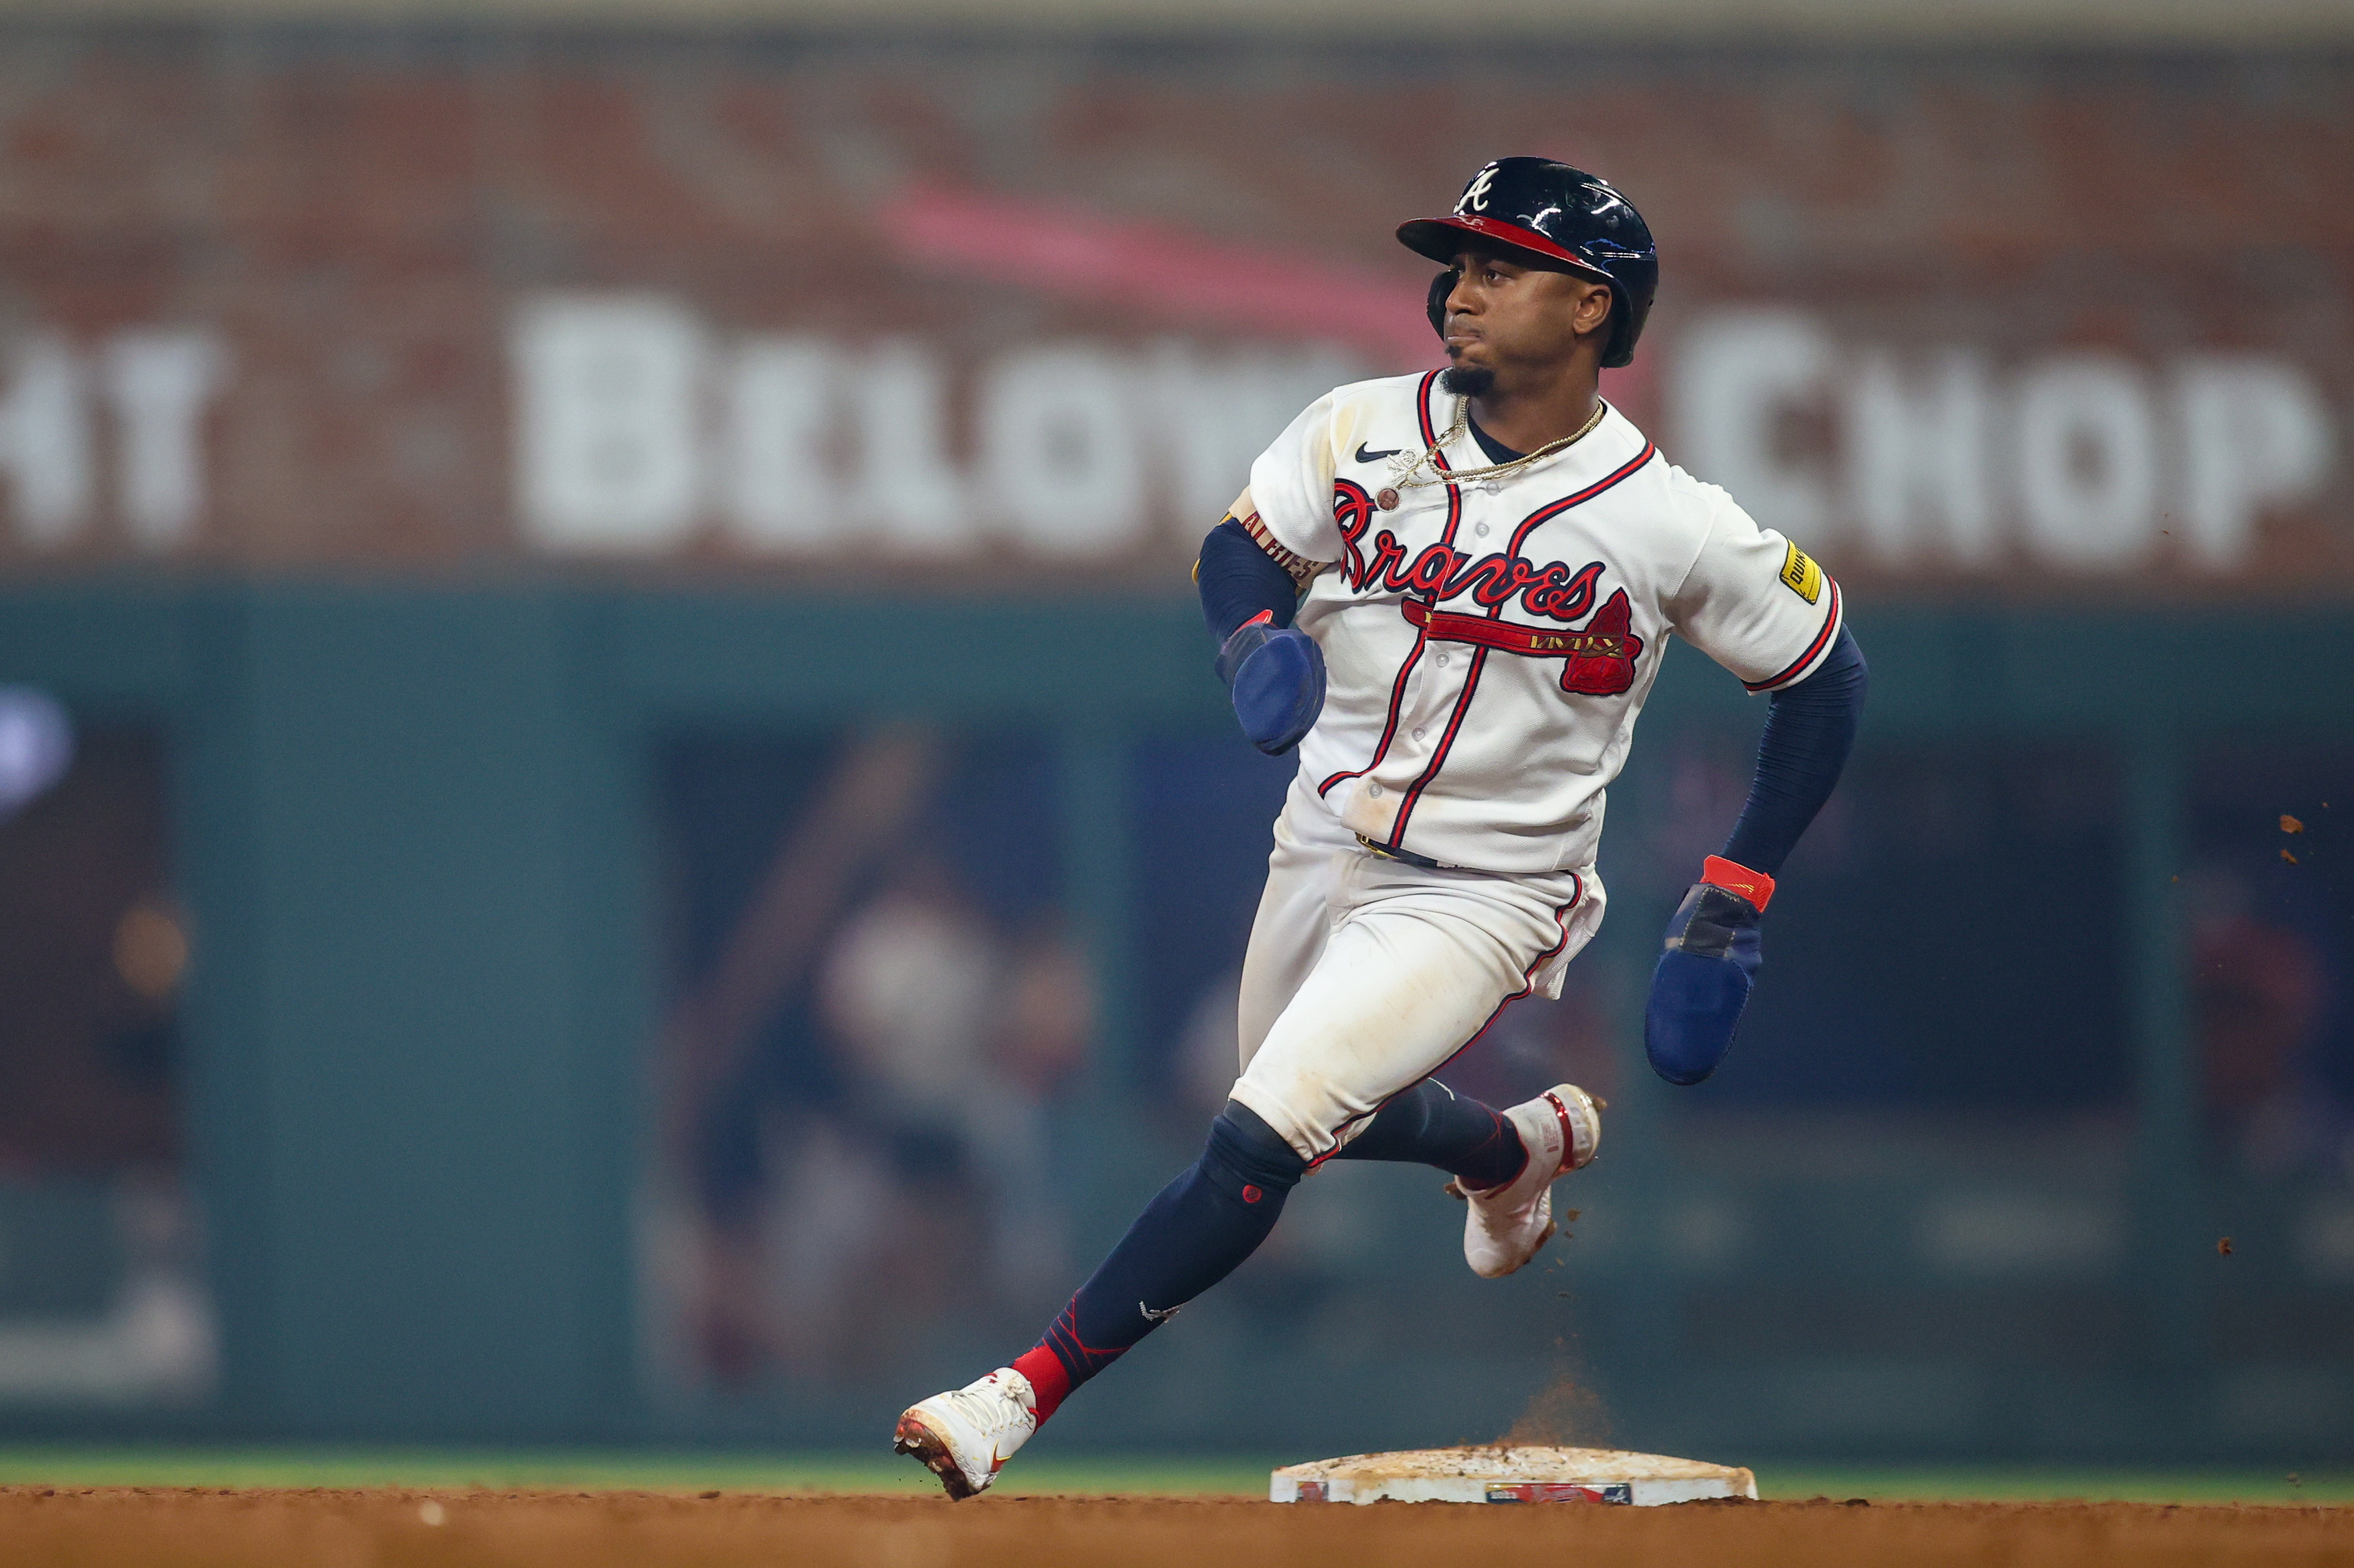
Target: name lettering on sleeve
[{"x": 1300, "y": 566}]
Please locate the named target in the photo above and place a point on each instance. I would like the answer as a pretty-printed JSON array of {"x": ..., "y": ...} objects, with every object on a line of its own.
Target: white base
[{"x": 1510, "y": 1476}]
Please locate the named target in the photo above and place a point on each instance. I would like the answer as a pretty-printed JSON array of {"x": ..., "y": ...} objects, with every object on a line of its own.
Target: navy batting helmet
[{"x": 1563, "y": 216}]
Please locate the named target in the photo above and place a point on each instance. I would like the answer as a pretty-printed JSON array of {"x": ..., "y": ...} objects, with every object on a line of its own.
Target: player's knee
[{"x": 1249, "y": 1153}]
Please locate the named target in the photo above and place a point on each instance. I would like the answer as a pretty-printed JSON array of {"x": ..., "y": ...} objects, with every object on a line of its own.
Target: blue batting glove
[
  {"x": 1703, "y": 978},
  {"x": 1277, "y": 675}
]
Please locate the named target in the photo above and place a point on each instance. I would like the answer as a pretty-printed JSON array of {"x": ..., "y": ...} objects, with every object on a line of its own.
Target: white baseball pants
[{"x": 1366, "y": 975}]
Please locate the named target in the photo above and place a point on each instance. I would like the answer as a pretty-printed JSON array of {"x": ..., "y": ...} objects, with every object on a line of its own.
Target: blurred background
[{"x": 615, "y": 828}]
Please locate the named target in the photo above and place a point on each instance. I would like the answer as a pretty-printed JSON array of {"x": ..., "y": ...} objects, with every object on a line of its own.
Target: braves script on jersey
[{"x": 1489, "y": 644}]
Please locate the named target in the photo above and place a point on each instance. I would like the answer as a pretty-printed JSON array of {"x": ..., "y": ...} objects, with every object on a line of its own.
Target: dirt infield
[{"x": 159, "y": 1528}]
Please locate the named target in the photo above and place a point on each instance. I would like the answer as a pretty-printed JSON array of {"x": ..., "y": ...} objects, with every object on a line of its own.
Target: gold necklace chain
[{"x": 1406, "y": 479}]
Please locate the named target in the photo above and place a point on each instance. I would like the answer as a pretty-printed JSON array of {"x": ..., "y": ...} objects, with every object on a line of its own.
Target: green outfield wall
[{"x": 412, "y": 838}]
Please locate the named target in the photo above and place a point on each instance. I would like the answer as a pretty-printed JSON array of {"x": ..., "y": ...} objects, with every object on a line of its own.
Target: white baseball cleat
[
  {"x": 965, "y": 1437},
  {"x": 1561, "y": 1129}
]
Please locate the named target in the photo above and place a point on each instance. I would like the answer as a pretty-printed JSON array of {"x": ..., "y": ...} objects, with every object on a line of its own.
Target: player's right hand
[
  {"x": 1277, "y": 676},
  {"x": 1703, "y": 978}
]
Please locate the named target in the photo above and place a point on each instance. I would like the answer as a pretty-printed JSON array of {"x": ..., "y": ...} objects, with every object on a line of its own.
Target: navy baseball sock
[
  {"x": 1430, "y": 1124},
  {"x": 1193, "y": 1235}
]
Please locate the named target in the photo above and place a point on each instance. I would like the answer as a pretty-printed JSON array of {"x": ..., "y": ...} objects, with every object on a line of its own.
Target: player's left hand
[
  {"x": 1277, "y": 674},
  {"x": 1703, "y": 978}
]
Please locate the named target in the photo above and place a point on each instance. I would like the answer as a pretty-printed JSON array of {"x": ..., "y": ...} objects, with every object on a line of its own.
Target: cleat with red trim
[
  {"x": 965, "y": 1435},
  {"x": 1562, "y": 1129}
]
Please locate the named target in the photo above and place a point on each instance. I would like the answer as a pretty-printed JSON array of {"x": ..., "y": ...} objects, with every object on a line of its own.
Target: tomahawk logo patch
[
  {"x": 1801, "y": 576},
  {"x": 1600, "y": 661}
]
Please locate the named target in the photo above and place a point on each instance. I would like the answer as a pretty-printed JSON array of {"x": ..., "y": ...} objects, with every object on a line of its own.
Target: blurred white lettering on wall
[
  {"x": 1738, "y": 375},
  {"x": 608, "y": 425},
  {"x": 158, "y": 384},
  {"x": 774, "y": 442},
  {"x": 2085, "y": 444},
  {"x": 637, "y": 431},
  {"x": 907, "y": 492},
  {"x": 2079, "y": 461},
  {"x": 2254, "y": 434},
  {"x": 641, "y": 430},
  {"x": 1916, "y": 452},
  {"x": 1060, "y": 449},
  {"x": 155, "y": 384}
]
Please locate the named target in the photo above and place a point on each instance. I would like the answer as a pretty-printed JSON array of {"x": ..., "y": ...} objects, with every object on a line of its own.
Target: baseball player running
[{"x": 1451, "y": 592}]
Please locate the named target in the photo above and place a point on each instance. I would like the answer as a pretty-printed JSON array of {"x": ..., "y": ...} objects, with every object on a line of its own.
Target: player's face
[{"x": 1510, "y": 317}]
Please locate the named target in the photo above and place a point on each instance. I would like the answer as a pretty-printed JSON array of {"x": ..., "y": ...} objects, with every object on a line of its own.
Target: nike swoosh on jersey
[{"x": 1364, "y": 456}]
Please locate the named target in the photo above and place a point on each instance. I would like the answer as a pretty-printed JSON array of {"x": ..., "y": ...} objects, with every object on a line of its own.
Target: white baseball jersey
[{"x": 1489, "y": 645}]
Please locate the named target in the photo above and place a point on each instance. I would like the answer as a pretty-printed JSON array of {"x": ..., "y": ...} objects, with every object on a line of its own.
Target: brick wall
[{"x": 477, "y": 303}]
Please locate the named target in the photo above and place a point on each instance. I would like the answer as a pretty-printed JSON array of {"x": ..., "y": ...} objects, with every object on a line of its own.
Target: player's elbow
[{"x": 1840, "y": 681}]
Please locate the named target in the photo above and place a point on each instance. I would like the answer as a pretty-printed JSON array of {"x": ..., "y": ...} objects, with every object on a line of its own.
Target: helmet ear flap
[{"x": 1436, "y": 305}]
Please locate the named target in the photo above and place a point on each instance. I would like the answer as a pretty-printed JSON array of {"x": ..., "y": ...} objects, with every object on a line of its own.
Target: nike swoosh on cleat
[{"x": 1364, "y": 456}]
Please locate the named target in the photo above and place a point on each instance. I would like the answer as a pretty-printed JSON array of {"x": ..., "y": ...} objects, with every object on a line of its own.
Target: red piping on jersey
[
  {"x": 1389, "y": 730},
  {"x": 1445, "y": 744},
  {"x": 1527, "y": 984},
  {"x": 1552, "y": 510},
  {"x": 1545, "y": 514},
  {"x": 1414, "y": 655},
  {"x": 1822, "y": 638}
]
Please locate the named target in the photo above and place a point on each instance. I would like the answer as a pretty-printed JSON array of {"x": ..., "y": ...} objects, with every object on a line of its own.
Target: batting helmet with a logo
[{"x": 1564, "y": 216}]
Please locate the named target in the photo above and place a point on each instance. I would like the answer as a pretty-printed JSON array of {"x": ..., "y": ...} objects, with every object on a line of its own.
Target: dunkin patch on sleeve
[{"x": 1801, "y": 576}]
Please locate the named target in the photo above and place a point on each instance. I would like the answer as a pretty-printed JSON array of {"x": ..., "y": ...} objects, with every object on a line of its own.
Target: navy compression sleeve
[
  {"x": 1809, "y": 732},
  {"x": 1239, "y": 580}
]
